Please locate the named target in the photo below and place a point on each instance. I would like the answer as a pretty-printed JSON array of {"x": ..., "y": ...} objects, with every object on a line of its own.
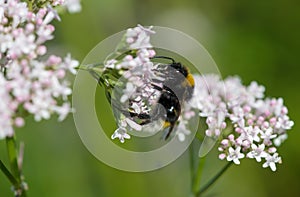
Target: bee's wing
[{"x": 207, "y": 144}]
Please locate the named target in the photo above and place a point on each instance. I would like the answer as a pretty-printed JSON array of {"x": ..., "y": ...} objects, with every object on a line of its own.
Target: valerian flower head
[
  {"x": 29, "y": 84},
  {"x": 249, "y": 124}
]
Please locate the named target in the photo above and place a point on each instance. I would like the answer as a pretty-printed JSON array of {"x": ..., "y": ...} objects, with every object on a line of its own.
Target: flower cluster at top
[
  {"x": 247, "y": 124},
  {"x": 28, "y": 84}
]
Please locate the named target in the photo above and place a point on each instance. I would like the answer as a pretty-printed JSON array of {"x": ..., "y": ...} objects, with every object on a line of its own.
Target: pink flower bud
[
  {"x": 225, "y": 142},
  {"x": 61, "y": 73},
  {"x": 39, "y": 21},
  {"x": 19, "y": 122},
  {"x": 223, "y": 125},
  {"x": 272, "y": 150},
  {"x": 273, "y": 102},
  {"x": 250, "y": 122},
  {"x": 41, "y": 50},
  {"x": 231, "y": 137},
  {"x": 42, "y": 12},
  {"x": 217, "y": 132},
  {"x": 266, "y": 124},
  {"x": 238, "y": 130},
  {"x": 53, "y": 60},
  {"x": 129, "y": 40},
  {"x": 284, "y": 110},
  {"x": 247, "y": 109},
  {"x": 273, "y": 121},
  {"x": 222, "y": 156},
  {"x": 267, "y": 113},
  {"x": 208, "y": 133},
  {"x": 29, "y": 27},
  {"x": 4, "y": 20}
]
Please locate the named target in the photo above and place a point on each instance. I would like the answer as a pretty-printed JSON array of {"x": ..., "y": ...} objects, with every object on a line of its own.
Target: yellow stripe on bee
[
  {"x": 167, "y": 124},
  {"x": 190, "y": 79}
]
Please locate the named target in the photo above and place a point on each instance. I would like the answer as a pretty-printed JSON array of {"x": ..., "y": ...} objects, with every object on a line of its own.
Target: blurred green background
[{"x": 257, "y": 40}]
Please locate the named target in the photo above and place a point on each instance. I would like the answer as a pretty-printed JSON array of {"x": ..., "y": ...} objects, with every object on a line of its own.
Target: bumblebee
[{"x": 178, "y": 87}]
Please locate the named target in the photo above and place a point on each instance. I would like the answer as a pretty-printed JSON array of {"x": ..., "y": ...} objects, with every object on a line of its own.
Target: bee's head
[{"x": 180, "y": 68}]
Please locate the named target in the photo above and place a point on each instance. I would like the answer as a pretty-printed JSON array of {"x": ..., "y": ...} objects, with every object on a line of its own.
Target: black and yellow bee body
[{"x": 178, "y": 87}]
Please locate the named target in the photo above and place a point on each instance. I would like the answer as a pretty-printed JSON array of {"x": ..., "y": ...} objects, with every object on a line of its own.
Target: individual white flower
[
  {"x": 256, "y": 90},
  {"x": 237, "y": 116},
  {"x": 120, "y": 133},
  {"x": 267, "y": 136},
  {"x": 235, "y": 154},
  {"x": 110, "y": 63},
  {"x": 70, "y": 64},
  {"x": 57, "y": 2},
  {"x": 284, "y": 123},
  {"x": 257, "y": 152},
  {"x": 62, "y": 111},
  {"x": 251, "y": 133},
  {"x": 51, "y": 14},
  {"x": 73, "y": 6},
  {"x": 280, "y": 139},
  {"x": 271, "y": 161}
]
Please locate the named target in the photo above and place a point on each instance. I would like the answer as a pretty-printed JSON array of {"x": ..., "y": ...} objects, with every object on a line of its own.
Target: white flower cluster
[
  {"x": 143, "y": 80},
  {"x": 29, "y": 85},
  {"x": 138, "y": 72},
  {"x": 259, "y": 125}
]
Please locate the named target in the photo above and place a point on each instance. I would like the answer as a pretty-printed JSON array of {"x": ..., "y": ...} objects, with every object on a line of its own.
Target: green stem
[
  {"x": 213, "y": 180},
  {"x": 8, "y": 175},
  {"x": 197, "y": 178},
  {"x": 88, "y": 67},
  {"x": 19, "y": 188},
  {"x": 13, "y": 157},
  {"x": 191, "y": 150}
]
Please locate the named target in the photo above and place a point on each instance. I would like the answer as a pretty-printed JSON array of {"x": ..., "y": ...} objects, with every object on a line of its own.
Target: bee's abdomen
[{"x": 171, "y": 104}]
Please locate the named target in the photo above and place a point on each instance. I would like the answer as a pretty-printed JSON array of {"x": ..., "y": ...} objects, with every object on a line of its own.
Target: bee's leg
[
  {"x": 157, "y": 87},
  {"x": 145, "y": 122},
  {"x": 167, "y": 134},
  {"x": 164, "y": 57}
]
